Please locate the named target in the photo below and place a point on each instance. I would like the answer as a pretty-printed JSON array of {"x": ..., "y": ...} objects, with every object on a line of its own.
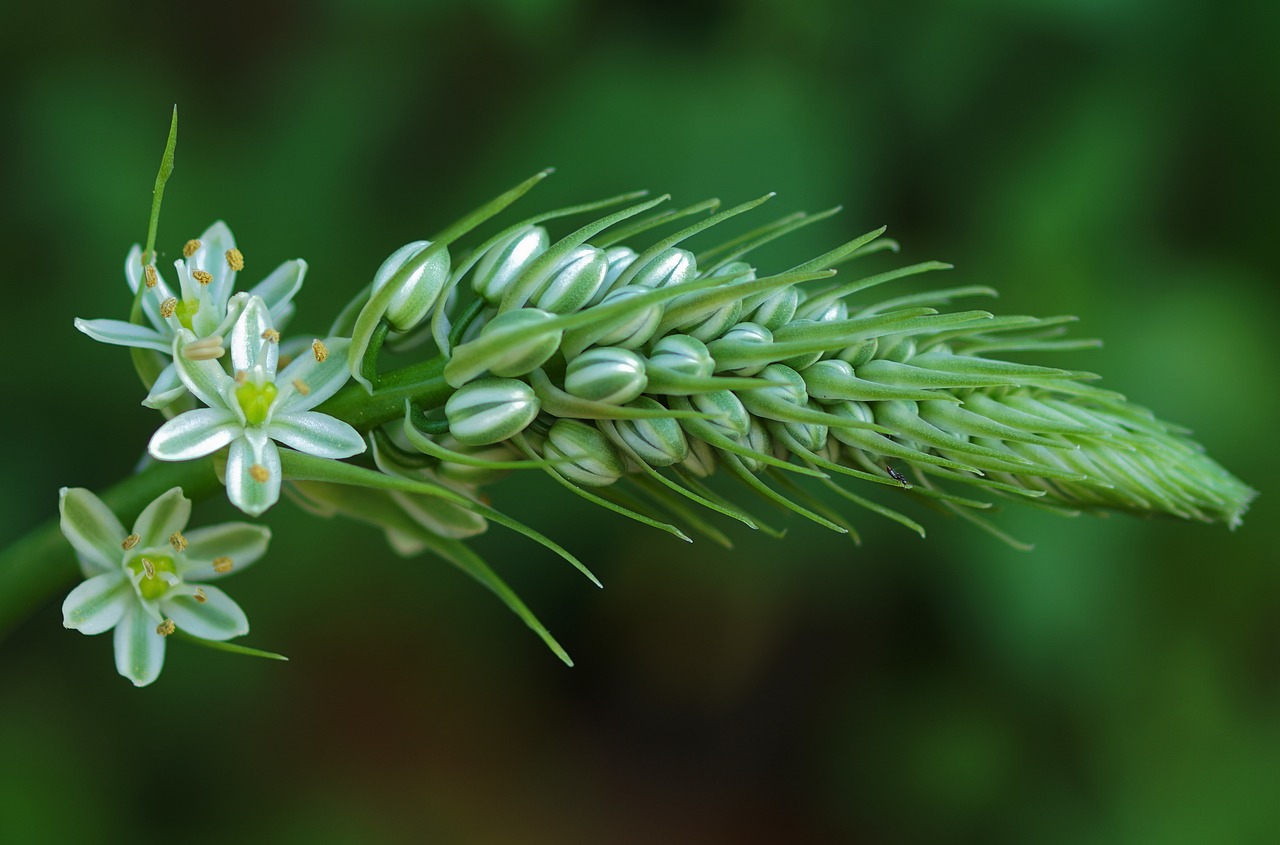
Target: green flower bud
[
  {"x": 583, "y": 454},
  {"x": 823, "y": 312},
  {"x": 732, "y": 419},
  {"x": 716, "y": 323},
  {"x": 702, "y": 459},
  {"x": 606, "y": 374},
  {"x": 505, "y": 261},
  {"x": 574, "y": 282},
  {"x": 859, "y": 353},
  {"x": 757, "y": 439},
  {"x": 681, "y": 355},
  {"x": 744, "y": 333},
  {"x": 803, "y": 362},
  {"x": 419, "y": 290},
  {"x": 900, "y": 349},
  {"x": 778, "y": 310},
  {"x": 658, "y": 442},
  {"x": 788, "y": 386},
  {"x": 490, "y": 410},
  {"x": 522, "y": 356},
  {"x": 630, "y": 332},
  {"x": 619, "y": 258},
  {"x": 670, "y": 267},
  {"x": 469, "y": 474},
  {"x": 808, "y": 436}
]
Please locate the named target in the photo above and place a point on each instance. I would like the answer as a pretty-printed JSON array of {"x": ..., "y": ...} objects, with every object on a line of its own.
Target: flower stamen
[
  {"x": 235, "y": 259},
  {"x": 271, "y": 336},
  {"x": 148, "y": 568},
  {"x": 204, "y": 277},
  {"x": 259, "y": 473},
  {"x": 150, "y": 276},
  {"x": 130, "y": 541},
  {"x": 199, "y": 595},
  {"x": 222, "y": 565},
  {"x": 320, "y": 351},
  {"x": 166, "y": 628},
  {"x": 301, "y": 386},
  {"x": 169, "y": 306},
  {"x": 178, "y": 542},
  {"x": 205, "y": 349},
  {"x": 190, "y": 247}
]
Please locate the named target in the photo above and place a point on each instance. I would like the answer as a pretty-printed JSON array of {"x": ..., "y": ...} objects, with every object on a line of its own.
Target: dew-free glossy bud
[
  {"x": 857, "y": 412},
  {"x": 900, "y": 349},
  {"x": 731, "y": 417},
  {"x": 751, "y": 333},
  {"x": 619, "y": 258},
  {"x": 669, "y": 267},
  {"x": 469, "y": 474},
  {"x": 823, "y": 312},
  {"x": 525, "y": 354},
  {"x": 574, "y": 281},
  {"x": 629, "y": 331},
  {"x": 702, "y": 459},
  {"x": 681, "y": 355},
  {"x": 757, "y": 439},
  {"x": 716, "y": 323},
  {"x": 490, "y": 410},
  {"x": 505, "y": 261},
  {"x": 778, "y": 310},
  {"x": 583, "y": 454},
  {"x": 808, "y": 436},
  {"x": 606, "y": 374},
  {"x": 417, "y": 291},
  {"x": 859, "y": 353},
  {"x": 801, "y": 362},
  {"x": 658, "y": 442}
]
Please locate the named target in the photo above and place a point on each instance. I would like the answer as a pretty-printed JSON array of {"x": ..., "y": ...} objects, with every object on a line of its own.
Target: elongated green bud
[
  {"x": 510, "y": 344},
  {"x": 606, "y": 374},
  {"x": 418, "y": 291},
  {"x": 581, "y": 453},
  {"x": 506, "y": 260},
  {"x": 744, "y": 333},
  {"x": 671, "y": 267},
  {"x": 778, "y": 310},
  {"x": 629, "y": 332},
  {"x": 574, "y": 282},
  {"x": 490, "y": 410},
  {"x": 619, "y": 258},
  {"x": 681, "y": 355},
  {"x": 658, "y": 442}
]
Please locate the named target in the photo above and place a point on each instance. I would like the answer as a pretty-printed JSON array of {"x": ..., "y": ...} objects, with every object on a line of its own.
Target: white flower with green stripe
[
  {"x": 152, "y": 581},
  {"x": 202, "y": 303},
  {"x": 255, "y": 408}
]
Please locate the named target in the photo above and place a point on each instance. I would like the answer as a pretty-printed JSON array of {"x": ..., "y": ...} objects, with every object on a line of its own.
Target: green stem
[{"x": 41, "y": 563}]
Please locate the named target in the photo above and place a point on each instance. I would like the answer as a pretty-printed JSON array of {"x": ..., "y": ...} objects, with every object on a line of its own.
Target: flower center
[
  {"x": 255, "y": 400},
  {"x": 186, "y": 310},
  {"x": 153, "y": 569}
]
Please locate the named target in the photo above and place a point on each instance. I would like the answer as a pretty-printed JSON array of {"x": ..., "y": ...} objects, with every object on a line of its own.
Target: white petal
[
  {"x": 322, "y": 380},
  {"x": 212, "y": 257},
  {"x": 92, "y": 529},
  {"x": 96, "y": 605},
  {"x": 241, "y": 542},
  {"x": 248, "y": 349},
  {"x": 139, "y": 649},
  {"x": 205, "y": 378},
  {"x": 317, "y": 434},
  {"x": 169, "y": 512},
  {"x": 133, "y": 267},
  {"x": 278, "y": 289},
  {"x": 194, "y": 434},
  {"x": 216, "y": 618},
  {"x": 254, "y": 450},
  {"x": 120, "y": 333},
  {"x": 167, "y": 389}
]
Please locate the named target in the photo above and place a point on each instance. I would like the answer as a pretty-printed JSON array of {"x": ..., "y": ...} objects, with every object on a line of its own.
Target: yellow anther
[
  {"x": 259, "y": 473},
  {"x": 241, "y": 376},
  {"x": 150, "y": 276},
  {"x": 168, "y": 307},
  {"x": 199, "y": 595},
  {"x": 149, "y": 568},
  {"x": 301, "y": 386},
  {"x": 222, "y": 565},
  {"x": 204, "y": 277},
  {"x": 178, "y": 542},
  {"x": 130, "y": 541},
  {"x": 320, "y": 351},
  {"x": 271, "y": 335},
  {"x": 190, "y": 247},
  {"x": 235, "y": 259},
  {"x": 205, "y": 349},
  {"x": 166, "y": 628}
]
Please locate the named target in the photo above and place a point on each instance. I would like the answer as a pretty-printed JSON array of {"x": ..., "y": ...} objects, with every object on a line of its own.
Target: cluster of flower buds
[{"x": 597, "y": 362}]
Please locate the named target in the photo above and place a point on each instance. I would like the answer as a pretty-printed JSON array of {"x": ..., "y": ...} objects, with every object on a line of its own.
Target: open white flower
[
  {"x": 203, "y": 303},
  {"x": 252, "y": 410},
  {"x": 149, "y": 582}
]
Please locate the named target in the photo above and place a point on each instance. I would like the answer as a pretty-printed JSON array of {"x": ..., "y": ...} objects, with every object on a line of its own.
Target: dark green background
[{"x": 1115, "y": 159}]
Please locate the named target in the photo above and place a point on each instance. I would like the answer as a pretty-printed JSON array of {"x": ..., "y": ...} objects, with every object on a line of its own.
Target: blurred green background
[{"x": 1115, "y": 160}]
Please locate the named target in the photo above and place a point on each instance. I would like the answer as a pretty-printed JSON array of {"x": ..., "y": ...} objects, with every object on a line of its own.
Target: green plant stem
[{"x": 39, "y": 564}]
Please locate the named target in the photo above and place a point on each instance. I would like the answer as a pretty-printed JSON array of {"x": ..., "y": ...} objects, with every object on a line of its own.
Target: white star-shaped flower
[
  {"x": 151, "y": 581},
  {"x": 203, "y": 303},
  {"x": 253, "y": 410}
]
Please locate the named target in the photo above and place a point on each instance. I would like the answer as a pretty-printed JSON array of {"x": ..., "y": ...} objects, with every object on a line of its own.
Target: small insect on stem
[{"x": 897, "y": 476}]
